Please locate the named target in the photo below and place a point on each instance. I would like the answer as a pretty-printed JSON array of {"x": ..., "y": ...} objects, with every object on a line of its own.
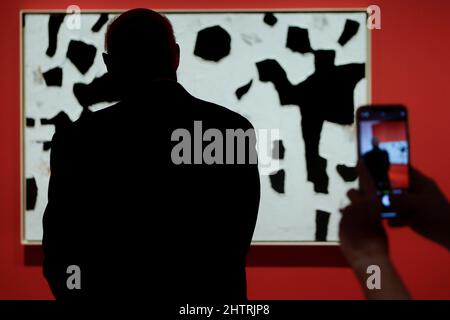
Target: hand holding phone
[
  {"x": 425, "y": 209},
  {"x": 383, "y": 146}
]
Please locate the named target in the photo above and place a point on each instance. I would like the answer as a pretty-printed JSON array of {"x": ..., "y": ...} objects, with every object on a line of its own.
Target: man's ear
[{"x": 107, "y": 61}]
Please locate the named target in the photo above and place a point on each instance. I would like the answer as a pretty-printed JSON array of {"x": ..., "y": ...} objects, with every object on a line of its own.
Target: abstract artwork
[{"x": 303, "y": 73}]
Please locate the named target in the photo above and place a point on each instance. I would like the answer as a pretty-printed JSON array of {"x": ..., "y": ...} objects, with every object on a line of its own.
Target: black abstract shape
[
  {"x": 99, "y": 90},
  {"x": 100, "y": 22},
  {"x": 278, "y": 150},
  {"x": 298, "y": 40},
  {"x": 46, "y": 145},
  {"x": 243, "y": 90},
  {"x": 61, "y": 121},
  {"x": 31, "y": 194},
  {"x": 270, "y": 19},
  {"x": 350, "y": 30},
  {"x": 348, "y": 174},
  {"x": 277, "y": 180},
  {"x": 54, "y": 24},
  {"x": 322, "y": 219},
  {"x": 53, "y": 77},
  {"x": 270, "y": 70},
  {"x": 30, "y": 122},
  {"x": 326, "y": 95},
  {"x": 213, "y": 44},
  {"x": 82, "y": 55}
]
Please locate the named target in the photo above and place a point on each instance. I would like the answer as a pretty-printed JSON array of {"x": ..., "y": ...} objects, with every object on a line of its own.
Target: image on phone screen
[{"x": 383, "y": 145}]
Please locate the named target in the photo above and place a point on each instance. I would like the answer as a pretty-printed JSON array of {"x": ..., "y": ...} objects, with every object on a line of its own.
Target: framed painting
[{"x": 226, "y": 58}]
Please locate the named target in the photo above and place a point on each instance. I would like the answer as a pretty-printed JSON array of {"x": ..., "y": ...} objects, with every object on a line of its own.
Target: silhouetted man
[
  {"x": 377, "y": 161},
  {"x": 137, "y": 225}
]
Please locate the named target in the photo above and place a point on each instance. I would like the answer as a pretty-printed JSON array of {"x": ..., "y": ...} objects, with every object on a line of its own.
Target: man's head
[
  {"x": 140, "y": 47},
  {"x": 375, "y": 142}
]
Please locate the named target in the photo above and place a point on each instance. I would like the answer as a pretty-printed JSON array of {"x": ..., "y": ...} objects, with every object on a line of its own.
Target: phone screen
[{"x": 383, "y": 145}]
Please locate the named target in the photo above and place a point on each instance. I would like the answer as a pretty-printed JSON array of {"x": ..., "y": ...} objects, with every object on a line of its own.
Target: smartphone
[{"x": 383, "y": 146}]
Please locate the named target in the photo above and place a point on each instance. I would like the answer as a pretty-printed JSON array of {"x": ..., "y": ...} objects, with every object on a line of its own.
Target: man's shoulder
[
  {"x": 101, "y": 115},
  {"x": 86, "y": 124},
  {"x": 223, "y": 115},
  {"x": 97, "y": 119},
  {"x": 119, "y": 115}
]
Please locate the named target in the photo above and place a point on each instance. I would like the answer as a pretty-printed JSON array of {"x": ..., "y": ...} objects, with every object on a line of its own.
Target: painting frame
[{"x": 24, "y": 12}]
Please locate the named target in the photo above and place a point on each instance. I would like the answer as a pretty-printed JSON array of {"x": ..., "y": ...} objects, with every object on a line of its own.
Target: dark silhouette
[
  {"x": 363, "y": 238},
  {"x": 98, "y": 90},
  {"x": 137, "y": 225},
  {"x": 378, "y": 164},
  {"x": 60, "y": 121}
]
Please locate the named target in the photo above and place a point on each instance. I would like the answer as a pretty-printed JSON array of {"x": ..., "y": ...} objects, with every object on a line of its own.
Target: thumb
[
  {"x": 366, "y": 183},
  {"x": 405, "y": 205}
]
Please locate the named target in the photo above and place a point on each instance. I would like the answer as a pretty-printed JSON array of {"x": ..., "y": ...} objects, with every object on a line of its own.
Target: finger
[
  {"x": 418, "y": 174},
  {"x": 398, "y": 222},
  {"x": 366, "y": 183},
  {"x": 353, "y": 195},
  {"x": 404, "y": 204},
  {"x": 345, "y": 210},
  {"x": 419, "y": 181}
]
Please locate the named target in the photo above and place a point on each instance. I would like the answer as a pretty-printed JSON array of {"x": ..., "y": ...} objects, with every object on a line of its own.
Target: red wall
[{"x": 410, "y": 65}]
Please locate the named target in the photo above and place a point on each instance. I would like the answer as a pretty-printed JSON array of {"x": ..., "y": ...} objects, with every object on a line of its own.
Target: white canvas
[{"x": 288, "y": 217}]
